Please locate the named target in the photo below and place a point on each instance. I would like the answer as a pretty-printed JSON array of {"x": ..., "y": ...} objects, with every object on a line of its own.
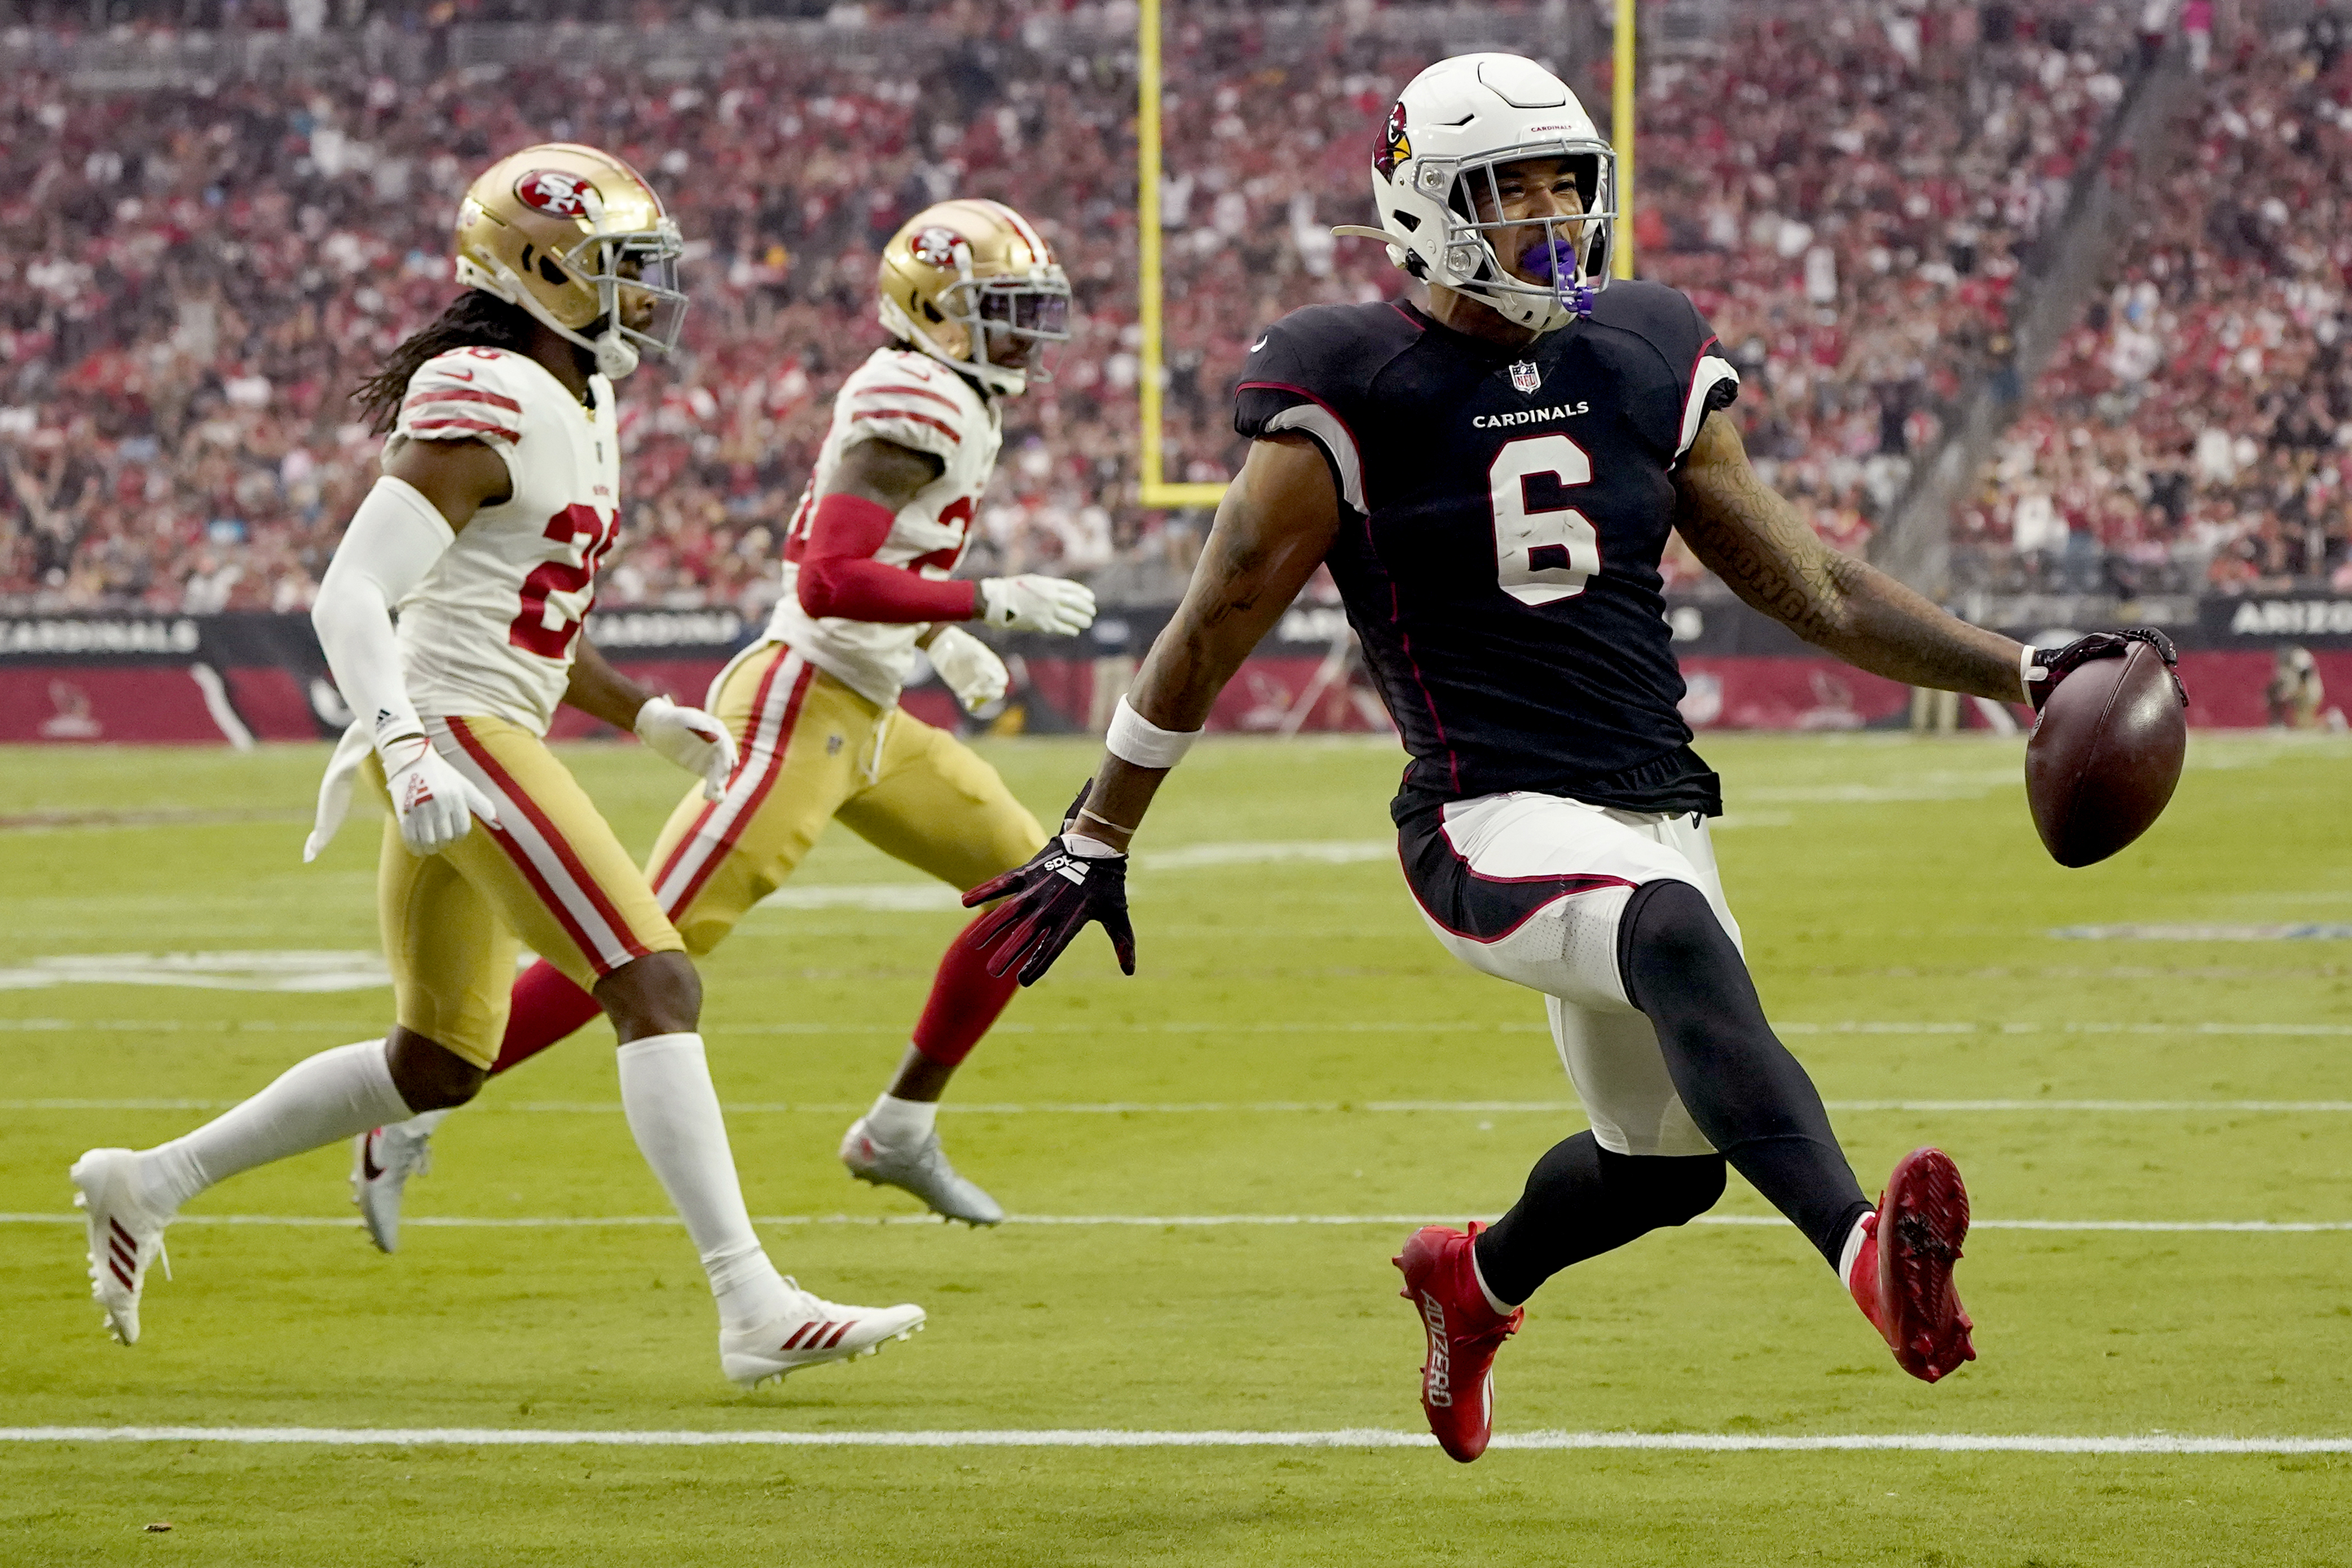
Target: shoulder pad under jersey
[
  {"x": 471, "y": 393},
  {"x": 909, "y": 400}
]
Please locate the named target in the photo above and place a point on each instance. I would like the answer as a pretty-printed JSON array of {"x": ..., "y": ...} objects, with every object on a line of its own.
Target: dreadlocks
[{"x": 474, "y": 320}]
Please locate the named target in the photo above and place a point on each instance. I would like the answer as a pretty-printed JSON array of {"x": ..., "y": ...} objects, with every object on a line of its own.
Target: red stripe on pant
[
  {"x": 716, "y": 853},
  {"x": 555, "y": 906},
  {"x": 773, "y": 756},
  {"x": 557, "y": 842},
  {"x": 546, "y": 1007}
]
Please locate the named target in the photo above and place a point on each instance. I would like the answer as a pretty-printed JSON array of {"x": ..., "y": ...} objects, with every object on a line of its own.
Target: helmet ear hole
[
  {"x": 552, "y": 273},
  {"x": 1406, "y": 221},
  {"x": 931, "y": 313}
]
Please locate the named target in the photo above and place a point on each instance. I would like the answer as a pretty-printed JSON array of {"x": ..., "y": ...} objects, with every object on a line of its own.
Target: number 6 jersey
[
  {"x": 491, "y": 628},
  {"x": 1503, "y": 512}
]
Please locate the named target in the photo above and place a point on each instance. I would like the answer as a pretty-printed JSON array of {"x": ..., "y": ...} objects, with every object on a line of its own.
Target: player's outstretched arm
[
  {"x": 1277, "y": 522},
  {"x": 839, "y": 576},
  {"x": 1273, "y": 527},
  {"x": 1751, "y": 538}
]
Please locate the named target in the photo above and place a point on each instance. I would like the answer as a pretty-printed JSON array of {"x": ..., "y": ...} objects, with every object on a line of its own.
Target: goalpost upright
[{"x": 1156, "y": 488}]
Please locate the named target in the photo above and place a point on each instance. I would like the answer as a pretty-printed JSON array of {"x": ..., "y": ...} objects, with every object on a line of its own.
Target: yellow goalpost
[{"x": 1157, "y": 490}]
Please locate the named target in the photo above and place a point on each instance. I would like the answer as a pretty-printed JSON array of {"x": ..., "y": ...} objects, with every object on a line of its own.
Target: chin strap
[{"x": 615, "y": 355}]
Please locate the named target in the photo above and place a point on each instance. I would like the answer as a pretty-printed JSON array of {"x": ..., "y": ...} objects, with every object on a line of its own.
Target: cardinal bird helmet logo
[{"x": 1395, "y": 145}]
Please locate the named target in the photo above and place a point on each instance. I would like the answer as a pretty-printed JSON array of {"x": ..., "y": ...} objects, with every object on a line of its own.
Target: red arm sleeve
[{"x": 839, "y": 575}]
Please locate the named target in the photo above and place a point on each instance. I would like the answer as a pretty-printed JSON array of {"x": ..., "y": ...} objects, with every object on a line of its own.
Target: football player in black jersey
[{"x": 1491, "y": 479}]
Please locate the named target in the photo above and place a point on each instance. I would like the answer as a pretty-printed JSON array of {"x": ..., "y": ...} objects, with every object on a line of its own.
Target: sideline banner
[{"x": 241, "y": 678}]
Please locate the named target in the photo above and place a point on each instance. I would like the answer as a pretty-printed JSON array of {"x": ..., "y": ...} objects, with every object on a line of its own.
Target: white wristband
[
  {"x": 2026, "y": 670},
  {"x": 1136, "y": 738}
]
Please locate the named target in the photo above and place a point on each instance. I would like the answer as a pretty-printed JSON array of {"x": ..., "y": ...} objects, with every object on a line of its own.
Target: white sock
[
  {"x": 898, "y": 1122},
  {"x": 321, "y": 1100},
  {"x": 1502, "y": 1308},
  {"x": 1852, "y": 1251},
  {"x": 673, "y": 1113}
]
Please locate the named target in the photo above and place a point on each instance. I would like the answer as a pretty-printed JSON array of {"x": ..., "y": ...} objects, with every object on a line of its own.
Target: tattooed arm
[
  {"x": 1754, "y": 540},
  {"x": 1273, "y": 529}
]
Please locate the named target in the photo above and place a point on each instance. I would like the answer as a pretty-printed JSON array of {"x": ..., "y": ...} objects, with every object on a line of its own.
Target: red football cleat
[
  {"x": 1902, "y": 1277},
  {"x": 1457, "y": 1380}
]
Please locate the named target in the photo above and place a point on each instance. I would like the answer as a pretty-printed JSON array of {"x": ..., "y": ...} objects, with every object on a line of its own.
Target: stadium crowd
[
  {"x": 2194, "y": 433},
  {"x": 1849, "y": 187}
]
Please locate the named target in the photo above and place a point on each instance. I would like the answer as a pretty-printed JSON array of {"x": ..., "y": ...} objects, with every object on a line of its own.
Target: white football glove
[
  {"x": 1034, "y": 603},
  {"x": 690, "y": 738},
  {"x": 434, "y": 803},
  {"x": 970, "y": 667}
]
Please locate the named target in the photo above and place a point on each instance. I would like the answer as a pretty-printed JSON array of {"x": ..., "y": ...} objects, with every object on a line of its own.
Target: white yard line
[
  {"x": 2225, "y": 1029},
  {"x": 1291, "y": 1107},
  {"x": 1112, "y": 1437},
  {"x": 1151, "y": 1221}
]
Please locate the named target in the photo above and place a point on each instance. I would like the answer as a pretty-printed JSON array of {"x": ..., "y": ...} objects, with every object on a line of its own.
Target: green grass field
[{"x": 1295, "y": 1045}]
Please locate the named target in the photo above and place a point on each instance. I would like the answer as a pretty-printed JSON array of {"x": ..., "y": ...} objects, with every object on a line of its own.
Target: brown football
[{"x": 2105, "y": 756}]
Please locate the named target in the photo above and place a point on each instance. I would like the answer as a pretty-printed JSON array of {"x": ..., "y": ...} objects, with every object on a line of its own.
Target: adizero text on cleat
[
  {"x": 124, "y": 1235},
  {"x": 810, "y": 1332},
  {"x": 923, "y": 1170},
  {"x": 1903, "y": 1275},
  {"x": 382, "y": 1159},
  {"x": 1463, "y": 1331}
]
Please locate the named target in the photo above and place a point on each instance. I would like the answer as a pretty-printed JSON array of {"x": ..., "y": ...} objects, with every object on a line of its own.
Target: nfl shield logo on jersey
[{"x": 1525, "y": 376}]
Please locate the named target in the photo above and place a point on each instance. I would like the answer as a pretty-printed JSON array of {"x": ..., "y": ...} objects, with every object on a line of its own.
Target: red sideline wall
[{"x": 149, "y": 702}]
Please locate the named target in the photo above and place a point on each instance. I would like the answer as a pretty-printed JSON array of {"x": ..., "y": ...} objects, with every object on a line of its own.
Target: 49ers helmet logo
[
  {"x": 936, "y": 247},
  {"x": 556, "y": 194},
  {"x": 1395, "y": 145}
]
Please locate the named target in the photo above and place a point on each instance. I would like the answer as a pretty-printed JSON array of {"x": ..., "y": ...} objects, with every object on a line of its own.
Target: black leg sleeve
[
  {"x": 1743, "y": 1088},
  {"x": 1582, "y": 1201}
]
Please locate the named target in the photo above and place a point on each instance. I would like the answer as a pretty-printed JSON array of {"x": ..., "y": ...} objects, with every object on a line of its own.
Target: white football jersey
[
  {"x": 915, "y": 401},
  {"x": 492, "y": 627}
]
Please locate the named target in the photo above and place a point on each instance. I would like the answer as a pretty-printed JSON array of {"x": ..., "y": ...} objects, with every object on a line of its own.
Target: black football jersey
[{"x": 1504, "y": 511}]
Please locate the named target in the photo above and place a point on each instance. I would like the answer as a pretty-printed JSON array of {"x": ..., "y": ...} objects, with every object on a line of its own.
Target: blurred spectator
[{"x": 1849, "y": 188}]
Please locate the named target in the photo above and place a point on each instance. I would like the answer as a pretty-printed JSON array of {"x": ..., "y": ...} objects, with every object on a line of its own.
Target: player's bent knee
[
  {"x": 1667, "y": 1189},
  {"x": 429, "y": 1074},
  {"x": 1668, "y": 927},
  {"x": 1693, "y": 1186},
  {"x": 660, "y": 994}
]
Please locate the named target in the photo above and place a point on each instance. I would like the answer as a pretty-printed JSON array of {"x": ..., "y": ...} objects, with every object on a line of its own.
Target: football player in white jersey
[
  {"x": 970, "y": 294},
  {"x": 500, "y": 498}
]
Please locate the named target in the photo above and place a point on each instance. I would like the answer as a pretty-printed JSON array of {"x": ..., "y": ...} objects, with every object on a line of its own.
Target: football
[{"x": 2105, "y": 756}]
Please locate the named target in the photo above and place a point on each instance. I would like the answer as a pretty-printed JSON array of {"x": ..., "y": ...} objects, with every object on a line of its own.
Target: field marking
[
  {"x": 1296, "y": 1107},
  {"x": 2224, "y": 1028},
  {"x": 2305, "y": 930},
  {"x": 1152, "y": 1221},
  {"x": 1111, "y": 1437}
]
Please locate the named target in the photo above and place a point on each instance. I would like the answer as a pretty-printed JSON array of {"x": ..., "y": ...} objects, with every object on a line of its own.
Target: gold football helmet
[
  {"x": 973, "y": 284},
  {"x": 579, "y": 239}
]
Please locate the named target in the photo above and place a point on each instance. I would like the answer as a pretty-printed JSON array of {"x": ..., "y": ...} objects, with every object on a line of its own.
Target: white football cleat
[
  {"x": 382, "y": 1159},
  {"x": 923, "y": 1170},
  {"x": 810, "y": 1332},
  {"x": 125, "y": 1235}
]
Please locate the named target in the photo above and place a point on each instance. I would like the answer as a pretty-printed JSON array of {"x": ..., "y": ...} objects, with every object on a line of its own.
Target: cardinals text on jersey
[
  {"x": 1508, "y": 508},
  {"x": 491, "y": 628},
  {"x": 910, "y": 399}
]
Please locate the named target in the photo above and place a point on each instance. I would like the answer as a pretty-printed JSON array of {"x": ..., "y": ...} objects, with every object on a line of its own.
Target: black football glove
[
  {"x": 2047, "y": 666},
  {"x": 1048, "y": 901}
]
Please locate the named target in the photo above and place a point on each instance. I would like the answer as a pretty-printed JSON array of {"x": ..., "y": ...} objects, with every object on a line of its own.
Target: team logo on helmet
[
  {"x": 936, "y": 246},
  {"x": 556, "y": 194},
  {"x": 1395, "y": 145}
]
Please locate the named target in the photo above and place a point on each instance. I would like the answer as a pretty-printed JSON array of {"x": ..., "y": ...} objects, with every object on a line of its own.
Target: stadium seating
[{"x": 203, "y": 267}]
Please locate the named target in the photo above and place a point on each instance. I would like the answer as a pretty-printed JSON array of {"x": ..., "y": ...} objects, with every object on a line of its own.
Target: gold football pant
[
  {"x": 551, "y": 873},
  {"x": 812, "y": 751}
]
